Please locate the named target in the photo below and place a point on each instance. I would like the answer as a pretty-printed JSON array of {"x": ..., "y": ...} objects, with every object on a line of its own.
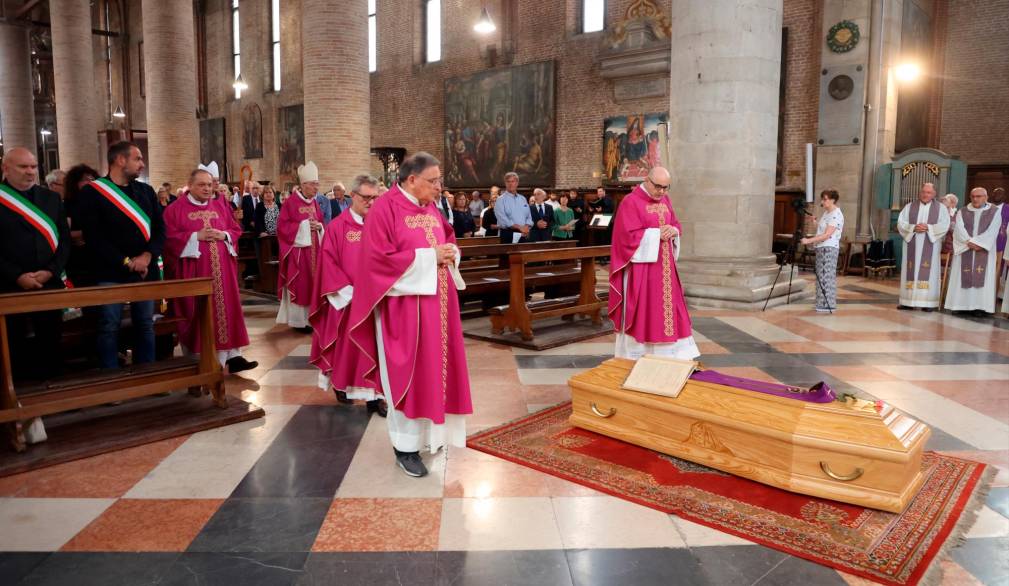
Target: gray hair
[
  {"x": 55, "y": 175},
  {"x": 362, "y": 179},
  {"x": 510, "y": 174},
  {"x": 981, "y": 189},
  {"x": 538, "y": 191},
  {"x": 416, "y": 164},
  {"x": 342, "y": 187},
  {"x": 952, "y": 196}
]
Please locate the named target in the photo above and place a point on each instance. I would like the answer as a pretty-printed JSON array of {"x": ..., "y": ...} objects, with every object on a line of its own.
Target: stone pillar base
[{"x": 739, "y": 283}]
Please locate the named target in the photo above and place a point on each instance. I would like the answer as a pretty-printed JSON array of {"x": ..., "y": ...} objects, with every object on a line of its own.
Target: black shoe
[
  {"x": 378, "y": 406},
  {"x": 928, "y": 309},
  {"x": 342, "y": 397},
  {"x": 904, "y": 307},
  {"x": 304, "y": 330},
  {"x": 411, "y": 463},
  {"x": 239, "y": 363}
]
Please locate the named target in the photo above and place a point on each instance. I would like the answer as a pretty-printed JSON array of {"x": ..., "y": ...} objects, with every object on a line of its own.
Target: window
[
  {"x": 372, "y": 36},
  {"x": 593, "y": 15},
  {"x": 432, "y": 25},
  {"x": 236, "y": 45},
  {"x": 275, "y": 41}
]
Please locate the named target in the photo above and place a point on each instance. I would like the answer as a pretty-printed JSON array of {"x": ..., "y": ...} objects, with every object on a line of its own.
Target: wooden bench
[
  {"x": 269, "y": 265},
  {"x": 488, "y": 256},
  {"x": 17, "y": 405},
  {"x": 519, "y": 315}
]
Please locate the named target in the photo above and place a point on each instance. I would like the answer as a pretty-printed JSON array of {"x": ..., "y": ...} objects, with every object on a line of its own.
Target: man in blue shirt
[
  {"x": 340, "y": 202},
  {"x": 512, "y": 210}
]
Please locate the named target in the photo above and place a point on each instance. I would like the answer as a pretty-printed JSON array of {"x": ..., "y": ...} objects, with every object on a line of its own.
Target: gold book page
[{"x": 659, "y": 375}]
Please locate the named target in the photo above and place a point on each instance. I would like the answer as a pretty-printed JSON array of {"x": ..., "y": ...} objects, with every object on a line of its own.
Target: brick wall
[
  {"x": 803, "y": 18},
  {"x": 975, "y": 99}
]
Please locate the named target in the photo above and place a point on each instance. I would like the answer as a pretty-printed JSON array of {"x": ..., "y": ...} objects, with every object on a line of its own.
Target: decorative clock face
[{"x": 843, "y": 36}]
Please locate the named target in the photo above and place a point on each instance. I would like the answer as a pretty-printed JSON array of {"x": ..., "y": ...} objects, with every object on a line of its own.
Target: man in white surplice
[
  {"x": 923, "y": 225},
  {"x": 972, "y": 272}
]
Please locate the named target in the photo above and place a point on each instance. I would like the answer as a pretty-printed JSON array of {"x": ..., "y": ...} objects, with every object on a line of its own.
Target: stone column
[
  {"x": 173, "y": 134},
  {"x": 725, "y": 69},
  {"x": 336, "y": 83},
  {"x": 17, "y": 105},
  {"x": 73, "y": 67}
]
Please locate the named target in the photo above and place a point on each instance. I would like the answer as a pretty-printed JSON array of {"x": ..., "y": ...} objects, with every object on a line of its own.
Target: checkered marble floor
[{"x": 311, "y": 495}]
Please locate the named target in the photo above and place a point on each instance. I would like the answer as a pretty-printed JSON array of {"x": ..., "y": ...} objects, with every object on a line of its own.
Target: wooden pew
[
  {"x": 518, "y": 315},
  {"x": 20, "y": 404},
  {"x": 269, "y": 265},
  {"x": 490, "y": 256}
]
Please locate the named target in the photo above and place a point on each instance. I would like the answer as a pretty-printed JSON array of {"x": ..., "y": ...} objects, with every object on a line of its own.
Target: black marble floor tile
[
  {"x": 986, "y": 558},
  {"x": 293, "y": 363},
  {"x": 998, "y": 501},
  {"x": 517, "y": 568},
  {"x": 728, "y": 337},
  {"x": 641, "y": 567},
  {"x": 263, "y": 525},
  {"x": 573, "y": 361},
  {"x": 309, "y": 457},
  {"x": 989, "y": 319},
  {"x": 737, "y": 564},
  {"x": 793, "y": 570},
  {"x": 100, "y": 569},
  {"x": 370, "y": 569},
  {"x": 757, "y": 359},
  {"x": 852, "y": 358},
  {"x": 16, "y": 565},
  {"x": 955, "y": 358},
  {"x": 235, "y": 569}
]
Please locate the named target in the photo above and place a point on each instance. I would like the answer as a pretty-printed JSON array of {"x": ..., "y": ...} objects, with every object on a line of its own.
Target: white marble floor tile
[
  {"x": 952, "y": 321},
  {"x": 211, "y": 463},
  {"x": 762, "y": 330},
  {"x": 373, "y": 472},
  {"x": 914, "y": 372},
  {"x": 45, "y": 524},
  {"x": 977, "y": 429},
  {"x": 989, "y": 524},
  {"x": 547, "y": 376},
  {"x": 301, "y": 350},
  {"x": 902, "y": 346},
  {"x": 472, "y": 524},
  {"x": 695, "y": 535},
  {"x": 854, "y": 323},
  {"x": 600, "y": 522},
  {"x": 304, "y": 377}
]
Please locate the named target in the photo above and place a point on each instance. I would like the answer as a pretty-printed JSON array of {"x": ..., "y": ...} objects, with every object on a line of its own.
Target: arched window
[{"x": 593, "y": 15}]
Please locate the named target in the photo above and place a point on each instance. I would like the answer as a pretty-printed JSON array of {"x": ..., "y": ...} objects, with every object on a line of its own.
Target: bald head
[
  {"x": 20, "y": 168},
  {"x": 657, "y": 183}
]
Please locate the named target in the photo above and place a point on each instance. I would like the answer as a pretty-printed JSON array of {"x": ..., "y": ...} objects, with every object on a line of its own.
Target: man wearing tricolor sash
[
  {"x": 34, "y": 248},
  {"x": 299, "y": 234},
  {"x": 124, "y": 235},
  {"x": 922, "y": 225}
]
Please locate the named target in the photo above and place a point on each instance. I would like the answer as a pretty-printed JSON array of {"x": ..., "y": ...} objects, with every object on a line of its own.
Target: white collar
[
  {"x": 980, "y": 209},
  {"x": 195, "y": 201},
  {"x": 410, "y": 197},
  {"x": 356, "y": 217}
]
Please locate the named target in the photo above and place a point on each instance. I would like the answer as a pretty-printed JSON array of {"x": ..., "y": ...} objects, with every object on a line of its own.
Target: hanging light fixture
[
  {"x": 240, "y": 84},
  {"x": 119, "y": 113},
  {"x": 485, "y": 25}
]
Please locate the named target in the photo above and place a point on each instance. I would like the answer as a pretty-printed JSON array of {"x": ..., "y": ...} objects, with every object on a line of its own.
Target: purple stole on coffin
[
  {"x": 925, "y": 262},
  {"x": 972, "y": 267}
]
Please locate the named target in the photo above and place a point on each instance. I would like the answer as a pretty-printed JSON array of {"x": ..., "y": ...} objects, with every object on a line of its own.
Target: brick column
[
  {"x": 17, "y": 106},
  {"x": 73, "y": 67},
  {"x": 336, "y": 82},
  {"x": 173, "y": 135},
  {"x": 726, "y": 58}
]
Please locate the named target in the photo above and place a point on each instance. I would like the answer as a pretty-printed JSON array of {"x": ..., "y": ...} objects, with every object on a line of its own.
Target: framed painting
[
  {"x": 499, "y": 121},
  {"x": 252, "y": 131},
  {"x": 631, "y": 147},
  {"x": 290, "y": 141},
  {"x": 213, "y": 144}
]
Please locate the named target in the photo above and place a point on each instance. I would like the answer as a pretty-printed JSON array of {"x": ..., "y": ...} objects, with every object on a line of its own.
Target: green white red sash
[
  {"x": 111, "y": 191},
  {"x": 31, "y": 214}
]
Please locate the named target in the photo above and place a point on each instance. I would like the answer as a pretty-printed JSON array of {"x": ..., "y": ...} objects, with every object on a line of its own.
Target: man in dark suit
[
  {"x": 251, "y": 200},
  {"x": 543, "y": 217},
  {"x": 34, "y": 248}
]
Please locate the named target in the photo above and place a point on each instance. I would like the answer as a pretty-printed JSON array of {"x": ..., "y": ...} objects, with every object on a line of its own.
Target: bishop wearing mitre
[
  {"x": 299, "y": 233},
  {"x": 201, "y": 237},
  {"x": 404, "y": 316},
  {"x": 972, "y": 272},
  {"x": 922, "y": 225},
  {"x": 646, "y": 302}
]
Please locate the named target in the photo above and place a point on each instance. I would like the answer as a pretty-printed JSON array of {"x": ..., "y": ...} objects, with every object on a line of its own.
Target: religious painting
[
  {"x": 631, "y": 147},
  {"x": 213, "y": 143},
  {"x": 252, "y": 131},
  {"x": 499, "y": 121},
  {"x": 291, "y": 140}
]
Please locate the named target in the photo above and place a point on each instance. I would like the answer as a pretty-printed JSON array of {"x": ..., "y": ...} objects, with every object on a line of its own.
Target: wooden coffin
[{"x": 855, "y": 451}]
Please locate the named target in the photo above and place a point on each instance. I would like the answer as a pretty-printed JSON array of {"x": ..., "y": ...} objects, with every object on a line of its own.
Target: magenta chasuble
[
  {"x": 297, "y": 263},
  {"x": 421, "y": 334},
  {"x": 182, "y": 219},
  {"x": 332, "y": 351},
  {"x": 654, "y": 309}
]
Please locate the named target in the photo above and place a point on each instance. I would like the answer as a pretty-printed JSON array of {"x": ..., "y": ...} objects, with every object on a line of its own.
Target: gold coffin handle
[
  {"x": 596, "y": 410},
  {"x": 842, "y": 477}
]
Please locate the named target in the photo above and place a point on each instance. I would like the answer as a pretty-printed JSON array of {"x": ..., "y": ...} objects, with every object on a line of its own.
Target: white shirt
[{"x": 835, "y": 219}]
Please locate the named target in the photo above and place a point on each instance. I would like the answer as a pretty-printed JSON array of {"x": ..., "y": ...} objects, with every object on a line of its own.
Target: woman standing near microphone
[{"x": 828, "y": 244}]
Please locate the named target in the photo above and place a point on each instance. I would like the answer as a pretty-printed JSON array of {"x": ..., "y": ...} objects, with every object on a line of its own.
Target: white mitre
[
  {"x": 308, "y": 172},
  {"x": 212, "y": 169}
]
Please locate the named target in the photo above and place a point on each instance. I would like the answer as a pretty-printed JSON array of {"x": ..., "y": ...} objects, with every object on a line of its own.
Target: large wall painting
[
  {"x": 291, "y": 142},
  {"x": 631, "y": 147},
  {"x": 499, "y": 121},
  {"x": 213, "y": 144}
]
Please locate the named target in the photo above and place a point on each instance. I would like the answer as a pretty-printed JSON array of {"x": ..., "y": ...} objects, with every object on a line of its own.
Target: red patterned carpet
[{"x": 885, "y": 547}]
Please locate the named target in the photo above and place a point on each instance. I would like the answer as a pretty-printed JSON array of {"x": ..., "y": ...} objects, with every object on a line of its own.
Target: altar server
[
  {"x": 299, "y": 232},
  {"x": 405, "y": 316},
  {"x": 972, "y": 272},
  {"x": 340, "y": 362},
  {"x": 646, "y": 301},
  {"x": 201, "y": 236},
  {"x": 922, "y": 224}
]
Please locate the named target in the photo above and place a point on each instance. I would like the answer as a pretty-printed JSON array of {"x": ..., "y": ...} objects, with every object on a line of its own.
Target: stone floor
[{"x": 310, "y": 494}]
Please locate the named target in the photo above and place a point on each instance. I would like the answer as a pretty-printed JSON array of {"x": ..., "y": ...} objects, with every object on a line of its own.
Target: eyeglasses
[
  {"x": 659, "y": 187},
  {"x": 435, "y": 181},
  {"x": 366, "y": 198}
]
